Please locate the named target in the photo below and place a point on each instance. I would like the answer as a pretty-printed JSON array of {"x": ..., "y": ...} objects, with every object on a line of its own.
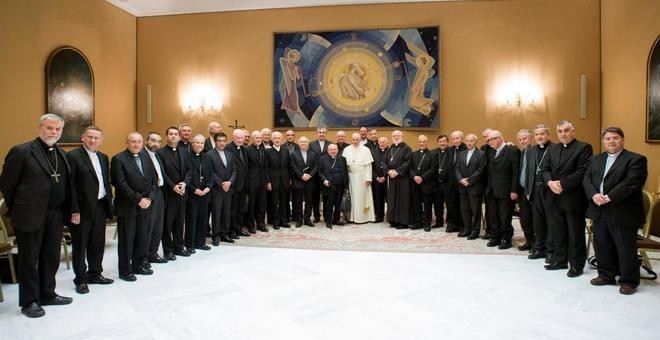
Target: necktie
[
  {"x": 138, "y": 162},
  {"x": 523, "y": 169}
]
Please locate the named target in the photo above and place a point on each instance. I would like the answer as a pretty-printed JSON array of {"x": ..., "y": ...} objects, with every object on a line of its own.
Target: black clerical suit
[
  {"x": 239, "y": 200},
  {"x": 177, "y": 167},
  {"x": 471, "y": 195},
  {"x": 316, "y": 192},
  {"x": 379, "y": 190},
  {"x": 335, "y": 171},
  {"x": 503, "y": 180},
  {"x": 452, "y": 199},
  {"x": 302, "y": 190},
  {"x": 197, "y": 221},
  {"x": 278, "y": 176},
  {"x": 566, "y": 211},
  {"x": 525, "y": 215},
  {"x": 257, "y": 179},
  {"x": 423, "y": 195},
  {"x": 223, "y": 171},
  {"x": 291, "y": 147},
  {"x": 616, "y": 222},
  {"x": 536, "y": 191},
  {"x": 134, "y": 177},
  {"x": 88, "y": 238},
  {"x": 446, "y": 184},
  {"x": 209, "y": 144},
  {"x": 157, "y": 208},
  {"x": 400, "y": 209},
  {"x": 37, "y": 185}
]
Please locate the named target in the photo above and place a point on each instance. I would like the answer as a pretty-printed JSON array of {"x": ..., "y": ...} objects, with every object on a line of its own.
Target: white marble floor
[{"x": 261, "y": 293}]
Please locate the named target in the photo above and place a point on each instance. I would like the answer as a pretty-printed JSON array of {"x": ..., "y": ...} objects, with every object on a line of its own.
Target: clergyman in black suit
[
  {"x": 613, "y": 184},
  {"x": 134, "y": 178},
  {"x": 257, "y": 179},
  {"x": 157, "y": 209},
  {"x": 278, "y": 180},
  {"x": 524, "y": 138},
  {"x": 91, "y": 170},
  {"x": 452, "y": 199},
  {"x": 423, "y": 175},
  {"x": 304, "y": 169},
  {"x": 209, "y": 143},
  {"x": 471, "y": 178},
  {"x": 199, "y": 196},
  {"x": 501, "y": 189},
  {"x": 333, "y": 174},
  {"x": 379, "y": 178},
  {"x": 240, "y": 187},
  {"x": 37, "y": 186},
  {"x": 320, "y": 147},
  {"x": 563, "y": 170},
  {"x": 224, "y": 175},
  {"x": 176, "y": 162}
]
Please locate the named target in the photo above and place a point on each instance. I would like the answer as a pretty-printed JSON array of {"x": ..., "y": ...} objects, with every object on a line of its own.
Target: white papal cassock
[{"x": 359, "y": 161}]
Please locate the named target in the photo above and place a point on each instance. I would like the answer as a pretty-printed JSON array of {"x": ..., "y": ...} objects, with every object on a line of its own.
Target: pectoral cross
[{"x": 56, "y": 177}]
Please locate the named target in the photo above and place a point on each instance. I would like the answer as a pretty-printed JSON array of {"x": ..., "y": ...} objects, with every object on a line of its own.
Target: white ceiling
[{"x": 144, "y": 8}]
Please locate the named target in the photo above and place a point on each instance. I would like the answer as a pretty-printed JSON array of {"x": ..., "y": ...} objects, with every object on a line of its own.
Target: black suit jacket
[
  {"x": 222, "y": 173},
  {"x": 474, "y": 171},
  {"x": 379, "y": 166},
  {"x": 87, "y": 183},
  {"x": 424, "y": 165},
  {"x": 25, "y": 185},
  {"x": 241, "y": 166},
  {"x": 201, "y": 169},
  {"x": 257, "y": 166},
  {"x": 316, "y": 147},
  {"x": 535, "y": 158},
  {"x": 325, "y": 166},
  {"x": 623, "y": 185},
  {"x": 503, "y": 172},
  {"x": 568, "y": 166},
  {"x": 300, "y": 167},
  {"x": 130, "y": 184},
  {"x": 176, "y": 169},
  {"x": 291, "y": 147},
  {"x": 208, "y": 144},
  {"x": 279, "y": 164}
]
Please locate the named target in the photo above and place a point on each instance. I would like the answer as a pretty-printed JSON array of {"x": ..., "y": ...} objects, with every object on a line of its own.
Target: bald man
[
  {"x": 209, "y": 143},
  {"x": 423, "y": 174},
  {"x": 454, "y": 219}
]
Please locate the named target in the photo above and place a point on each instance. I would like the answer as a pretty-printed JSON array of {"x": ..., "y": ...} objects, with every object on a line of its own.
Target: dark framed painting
[
  {"x": 352, "y": 78},
  {"x": 653, "y": 95},
  {"x": 70, "y": 91}
]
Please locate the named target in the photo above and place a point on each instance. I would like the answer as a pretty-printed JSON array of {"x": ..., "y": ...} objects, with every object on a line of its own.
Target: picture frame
[{"x": 653, "y": 94}]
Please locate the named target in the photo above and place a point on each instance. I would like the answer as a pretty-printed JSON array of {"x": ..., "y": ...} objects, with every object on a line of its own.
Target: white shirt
[
  {"x": 222, "y": 156},
  {"x": 99, "y": 173},
  {"x": 321, "y": 144},
  {"x": 469, "y": 155},
  {"x": 277, "y": 148},
  {"x": 611, "y": 158},
  {"x": 154, "y": 160}
]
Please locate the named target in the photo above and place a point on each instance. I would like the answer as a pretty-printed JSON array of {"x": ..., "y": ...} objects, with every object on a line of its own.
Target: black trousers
[
  {"x": 220, "y": 214},
  {"x": 542, "y": 239},
  {"x": 175, "y": 214},
  {"x": 238, "y": 200},
  {"x": 39, "y": 259},
  {"x": 567, "y": 230},
  {"x": 441, "y": 198},
  {"x": 156, "y": 221},
  {"x": 525, "y": 216},
  {"x": 471, "y": 210},
  {"x": 616, "y": 251},
  {"x": 88, "y": 242},
  {"x": 453, "y": 202},
  {"x": 257, "y": 209},
  {"x": 133, "y": 245},
  {"x": 280, "y": 199},
  {"x": 316, "y": 199},
  {"x": 423, "y": 203},
  {"x": 332, "y": 196},
  {"x": 379, "y": 193},
  {"x": 300, "y": 195},
  {"x": 197, "y": 220},
  {"x": 500, "y": 214}
]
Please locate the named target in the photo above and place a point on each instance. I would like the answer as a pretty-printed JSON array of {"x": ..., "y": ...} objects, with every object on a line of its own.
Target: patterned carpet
[{"x": 377, "y": 237}]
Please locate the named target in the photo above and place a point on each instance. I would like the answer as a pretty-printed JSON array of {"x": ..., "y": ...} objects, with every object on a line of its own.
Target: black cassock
[{"x": 399, "y": 192}]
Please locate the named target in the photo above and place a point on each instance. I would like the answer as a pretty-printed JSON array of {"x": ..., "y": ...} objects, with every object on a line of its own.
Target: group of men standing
[{"x": 169, "y": 194}]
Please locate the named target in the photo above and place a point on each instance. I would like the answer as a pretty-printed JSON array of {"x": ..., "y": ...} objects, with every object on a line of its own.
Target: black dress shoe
[
  {"x": 56, "y": 301},
  {"x": 486, "y": 236},
  {"x": 555, "y": 266},
  {"x": 473, "y": 236},
  {"x": 493, "y": 242},
  {"x": 216, "y": 241},
  {"x": 33, "y": 310},
  {"x": 427, "y": 228},
  {"x": 627, "y": 289},
  {"x": 415, "y": 227},
  {"x": 285, "y": 225},
  {"x": 100, "y": 280},
  {"x": 243, "y": 232},
  {"x": 536, "y": 255},
  {"x": 143, "y": 271},
  {"x": 170, "y": 257},
  {"x": 234, "y": 236},
  {"x": 379, "y": 220},
  {"x": 252, "y": 230},
  {"x": 525, "y": 247},
  {"x": 308, "y": 223},
  {"x": 157, "y": 259},
  {"x": 452, "y": 229},
  {"x": 298, "y": 224},
  {"x": 504, "y": 245},
  {"x": 463, "y": 234},
  {"x": 225, "y": 238},
  {"x": 574, "y": 272},
  {"x": 400, "y": 226},
  {"x": 276, "y": 227},
  {"x": 128, "y": 277},
  {"x": 82, "y": 288},
  {"x": 601, "y": 281},
  {"x": 191, "y": 250},
  {"x": 203, "y": 247},
  {"x": 339, "y": 223},
  {"x": 182, "y": 252},
  {"x": 328, "y": 225}
]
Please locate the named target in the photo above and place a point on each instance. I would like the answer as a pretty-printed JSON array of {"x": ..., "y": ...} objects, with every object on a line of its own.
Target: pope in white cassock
[{"x": 359, "y": 159}]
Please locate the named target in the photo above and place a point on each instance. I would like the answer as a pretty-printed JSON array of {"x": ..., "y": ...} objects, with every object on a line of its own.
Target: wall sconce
[
  {"x": 519, "y": 94},
  {"x": 519, "y": 100},
  {"x": 201, "y": 99}
]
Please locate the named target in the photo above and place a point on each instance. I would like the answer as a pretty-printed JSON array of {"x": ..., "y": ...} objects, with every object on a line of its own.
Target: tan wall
[
  {"x": 30, "y": 30},
  {"x": 482, "y": 43},
  {"x": 629, "y": 29}
]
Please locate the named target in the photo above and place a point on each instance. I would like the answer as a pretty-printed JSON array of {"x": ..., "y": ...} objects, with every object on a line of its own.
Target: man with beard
[
  {"x": 363, "y": 135},
  {"x": 470, "y": 173},
  {"x": 563, "y": 171},
  {"x": 240, "y": 187},
  {"x": 157, "y": 209},
  {"x": 423, "y": 174},
  {"x": 37, "y": 186},
  {"x": 399, "y": 190},
  {"x": 537, "y": 192},
  {"x": 278, "y": 180},
  {"x": 372, "y": 140},
  {"x": 257, "y": 179},
  {"x": 91, "y": 170}
]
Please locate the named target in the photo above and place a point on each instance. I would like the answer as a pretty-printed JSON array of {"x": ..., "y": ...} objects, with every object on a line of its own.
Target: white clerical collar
[
  {"x": 614, "y": 155},
  {"x": 277, "y": 147},
  {"x": 90, "y": 152},
  {"x": 501, "y": 148},
  {"x": 151, "y": 153}
]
